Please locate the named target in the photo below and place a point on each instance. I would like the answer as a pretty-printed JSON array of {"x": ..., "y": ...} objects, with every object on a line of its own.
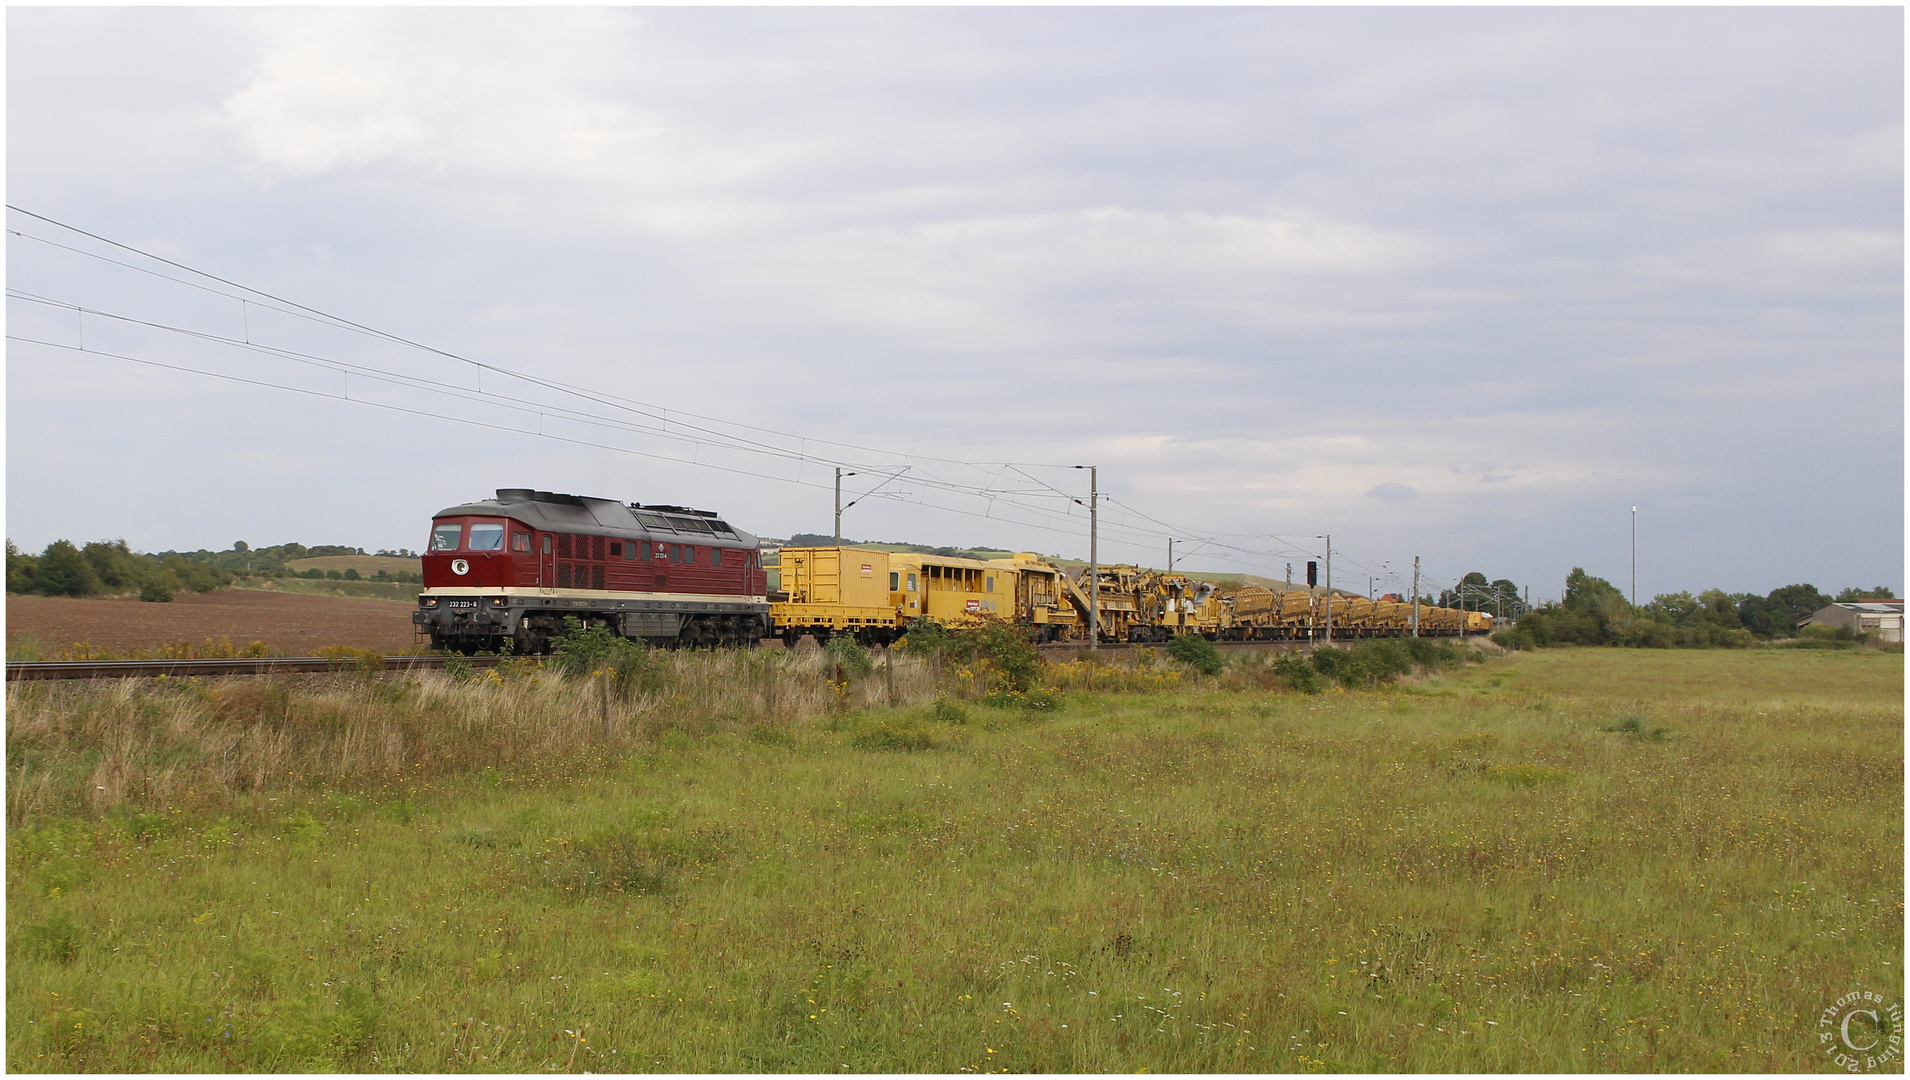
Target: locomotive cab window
[
  {"x": 487, "y": 538},
  {"x": 521, "y": 541},
  {"x": 643, "y": 552},
  {"x": 445, "y": 537},
  {"x": 716, "y": 556}
]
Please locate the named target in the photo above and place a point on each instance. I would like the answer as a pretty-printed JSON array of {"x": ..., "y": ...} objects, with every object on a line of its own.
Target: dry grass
[
  {"x": 1490, "y": 870},
  {"x": 197, "y": 744}
]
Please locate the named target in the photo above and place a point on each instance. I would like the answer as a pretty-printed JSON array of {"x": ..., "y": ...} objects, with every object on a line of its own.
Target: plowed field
[{"x": 290, "y": 624}]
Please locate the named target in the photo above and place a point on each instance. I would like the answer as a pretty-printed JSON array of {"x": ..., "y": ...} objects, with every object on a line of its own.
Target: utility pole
[
  {"x": 1415, "y": 596},
  {"x": 839, "y": 475},
  {"x": 1170, "y": 554},
  {"x": 1289, "y": 575},
  {"x": 1094, "y": 556},
  {"x": 1329, "y": 588},
  {"x": 1634, "y": 556}
]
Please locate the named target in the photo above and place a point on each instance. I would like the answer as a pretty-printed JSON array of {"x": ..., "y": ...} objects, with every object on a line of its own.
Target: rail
[
  {"x": 27, "y": 670},
  {"x": 31, "y": 670}
]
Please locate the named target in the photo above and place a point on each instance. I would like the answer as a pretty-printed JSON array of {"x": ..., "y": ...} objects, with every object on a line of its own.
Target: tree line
[
  {"x": 109, "y": 566},
  {"x": 1595, "y": 612}
]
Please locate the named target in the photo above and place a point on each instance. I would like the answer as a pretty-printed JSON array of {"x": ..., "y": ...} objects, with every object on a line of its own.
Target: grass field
[
  {"x": 287, "y": 623},
  {"x": 1567, "y": 860},
  {"x": 364, "y": 590}
]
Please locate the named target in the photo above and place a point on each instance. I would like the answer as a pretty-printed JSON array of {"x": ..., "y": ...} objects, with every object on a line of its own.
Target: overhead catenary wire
[{"x": 646, "y": 419}]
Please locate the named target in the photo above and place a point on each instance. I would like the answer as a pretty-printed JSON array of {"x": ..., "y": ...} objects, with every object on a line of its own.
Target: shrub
[
  {"x": 63, "y": 571},
  {"x": 848, "y": 655},
  {"x": 1016, "y": 664},
  {"x": 586, "y": 650},
  {"x": 1370, "y": 663},
  {"x": 1298, "y": 674},
  {"x": 1196, "y": 652},
  {"x": 929, "y": 638},
  {"x": 1003, "y": 647},
  {"x": 156, "y": 592},
  {"x": 1513, "y": 638},
  {"x": 945, "y": 711}
]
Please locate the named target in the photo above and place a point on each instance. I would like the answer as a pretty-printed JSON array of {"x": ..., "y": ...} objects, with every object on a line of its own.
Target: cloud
[
  {"x": 1391, "y": 492},
  {"x": 1276, "y": 271}
]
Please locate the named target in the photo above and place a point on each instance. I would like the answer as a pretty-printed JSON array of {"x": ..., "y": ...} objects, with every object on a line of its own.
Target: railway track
[
  {"x": 140, "y": 669},
  {"x": 22, "y": 671}
]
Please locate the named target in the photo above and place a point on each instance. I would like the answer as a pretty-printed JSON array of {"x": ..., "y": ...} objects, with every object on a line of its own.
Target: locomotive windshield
[
  {"x": 445, "y": 537},
  {"x": 487, "y": 538}
]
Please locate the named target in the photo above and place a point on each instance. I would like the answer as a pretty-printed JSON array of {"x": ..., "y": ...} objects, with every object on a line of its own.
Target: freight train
[
  {"x": 876, "y": 595},
  {"x": 510, "y": 573}
]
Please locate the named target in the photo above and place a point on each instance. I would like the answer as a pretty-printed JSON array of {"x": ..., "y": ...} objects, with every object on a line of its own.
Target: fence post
[{"x": 607, "y": 677}]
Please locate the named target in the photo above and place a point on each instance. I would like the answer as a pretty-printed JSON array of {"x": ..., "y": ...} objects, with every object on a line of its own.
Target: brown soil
[{"x": 288, "y": 623}]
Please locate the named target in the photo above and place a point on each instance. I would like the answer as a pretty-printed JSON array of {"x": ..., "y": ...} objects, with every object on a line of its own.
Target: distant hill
[{"x": 366, "y": 565}]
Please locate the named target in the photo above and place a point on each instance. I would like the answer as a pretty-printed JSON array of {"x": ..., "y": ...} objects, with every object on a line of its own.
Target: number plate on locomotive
[{"x": 460, "y": 603}]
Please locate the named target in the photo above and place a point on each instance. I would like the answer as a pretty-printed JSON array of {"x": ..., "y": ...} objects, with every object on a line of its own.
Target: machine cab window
[
  {"x": 446, "y": 537},
  {"x": 487, "y": 538},
  {"x": 521, "y": 541}
]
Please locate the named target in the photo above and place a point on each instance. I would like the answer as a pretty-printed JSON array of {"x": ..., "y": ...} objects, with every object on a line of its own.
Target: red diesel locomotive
[{"x": 504, "y": 573}]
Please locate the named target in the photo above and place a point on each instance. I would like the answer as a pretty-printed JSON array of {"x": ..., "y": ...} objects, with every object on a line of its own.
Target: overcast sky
[{"x": 1467, "y": 285}]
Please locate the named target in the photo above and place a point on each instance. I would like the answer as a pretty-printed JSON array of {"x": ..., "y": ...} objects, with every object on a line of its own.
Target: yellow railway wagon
[
  {"x": 1118, "y": 599},
  {"x": 834, "y": 590},
  {"x": 1478, "y": 622},
  {"x": 1041, "y": 596},
  {"x": 1359, "y": 616},
  {"x": 950, "y": 591},
  {"x": 1168, "y": 604},
  {"x": 1341, "y": 608},
  {"x": 1387, "y": 619},
  {"x": 1296, "y": 612}
]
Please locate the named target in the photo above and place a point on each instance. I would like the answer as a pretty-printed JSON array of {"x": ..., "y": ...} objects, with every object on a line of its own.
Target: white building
[{"x": 1883, "y": 618}]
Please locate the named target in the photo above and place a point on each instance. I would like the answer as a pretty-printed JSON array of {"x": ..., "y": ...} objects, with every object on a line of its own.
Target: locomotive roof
[{"x": 554, "y": 512}]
